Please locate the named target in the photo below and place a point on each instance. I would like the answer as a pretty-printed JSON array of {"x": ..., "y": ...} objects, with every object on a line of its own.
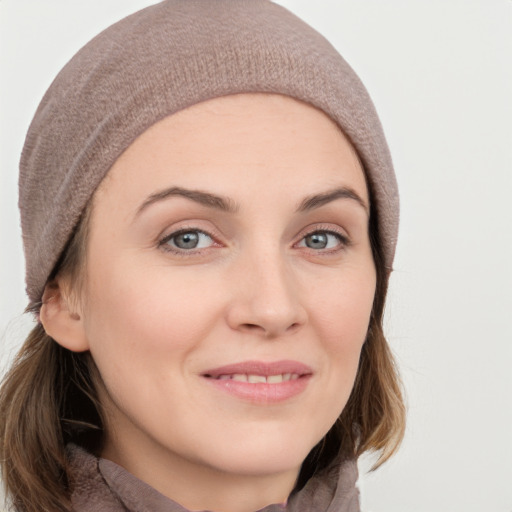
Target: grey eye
[
  {"x": 322, "y": 240},
  {"x": 316, "y": 240},
  {"x": 186, "y": 240}
]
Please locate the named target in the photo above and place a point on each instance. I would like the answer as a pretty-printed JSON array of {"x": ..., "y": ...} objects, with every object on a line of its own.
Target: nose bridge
[{"x": 266, "y": 299}]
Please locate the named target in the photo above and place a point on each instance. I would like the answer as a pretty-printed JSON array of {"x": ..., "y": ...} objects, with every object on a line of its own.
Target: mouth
[
  {"x": 258, "y": 379},
  {"x": 261, "y": 382}
]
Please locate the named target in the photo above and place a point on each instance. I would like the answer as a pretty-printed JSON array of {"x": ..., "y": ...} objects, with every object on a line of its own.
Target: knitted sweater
[{"x": 100, "y": 485}]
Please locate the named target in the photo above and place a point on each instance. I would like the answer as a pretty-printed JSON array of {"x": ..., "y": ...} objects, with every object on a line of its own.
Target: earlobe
[{"x": 59, "y": 319}]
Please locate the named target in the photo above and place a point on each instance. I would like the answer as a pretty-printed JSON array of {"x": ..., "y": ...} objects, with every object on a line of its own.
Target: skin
[{"x": 258, "y": 287}]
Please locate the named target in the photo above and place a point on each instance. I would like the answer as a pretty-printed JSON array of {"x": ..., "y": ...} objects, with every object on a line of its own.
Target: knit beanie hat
[{"x": 163, "y": 59}]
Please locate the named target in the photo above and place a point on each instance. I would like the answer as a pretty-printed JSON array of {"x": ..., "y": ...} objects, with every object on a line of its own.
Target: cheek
[
  {"x": 343, "y": 310},
  {"x": 343, "y": 316},
  {"x": 137, "y": 320}
]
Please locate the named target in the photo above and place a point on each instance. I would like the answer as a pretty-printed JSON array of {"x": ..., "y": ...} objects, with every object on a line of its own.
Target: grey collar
[{"x": 99, "y": 485}]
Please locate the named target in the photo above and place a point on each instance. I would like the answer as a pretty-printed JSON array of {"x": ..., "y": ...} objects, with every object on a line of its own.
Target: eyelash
[
  {"x": 164, "y": 242},
  {"x": 343, "y": 240}
]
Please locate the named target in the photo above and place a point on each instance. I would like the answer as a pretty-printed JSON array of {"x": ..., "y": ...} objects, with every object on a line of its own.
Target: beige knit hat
[{"x": 161, "y": 60}]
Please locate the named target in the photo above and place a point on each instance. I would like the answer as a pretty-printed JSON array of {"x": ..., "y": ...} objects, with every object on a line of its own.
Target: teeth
[
  {"x": 260, "y": 379},
  {"x": 254, "y": 379}
]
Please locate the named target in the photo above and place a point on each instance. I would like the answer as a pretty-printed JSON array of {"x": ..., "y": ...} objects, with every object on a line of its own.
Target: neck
[{"x": 199, "y": 486}]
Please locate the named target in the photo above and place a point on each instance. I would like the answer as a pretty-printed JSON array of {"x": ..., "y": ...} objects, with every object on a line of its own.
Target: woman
[{"x": 209, "y": 214}]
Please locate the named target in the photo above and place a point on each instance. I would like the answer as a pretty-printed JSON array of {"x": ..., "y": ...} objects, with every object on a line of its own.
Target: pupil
[
  {"x": 187, "y": 240},
  {"x": 316, "y": 241}
]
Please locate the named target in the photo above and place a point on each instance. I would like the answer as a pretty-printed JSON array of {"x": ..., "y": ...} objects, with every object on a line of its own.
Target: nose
[{"x": 265, "y": 300}]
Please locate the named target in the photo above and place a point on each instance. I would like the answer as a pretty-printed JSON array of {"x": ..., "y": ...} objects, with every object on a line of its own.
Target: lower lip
[{"x": 262, "y": 393}]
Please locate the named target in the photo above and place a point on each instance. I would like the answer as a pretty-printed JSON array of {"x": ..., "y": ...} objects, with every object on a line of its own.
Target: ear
[{"x": 59, "y": 318}]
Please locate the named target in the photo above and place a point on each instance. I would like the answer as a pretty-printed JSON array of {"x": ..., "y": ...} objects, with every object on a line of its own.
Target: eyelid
[
  {"x": 163, "y": 239},
  {"x": 341, "y": 234},
  {"x": 338, "y": 232}
]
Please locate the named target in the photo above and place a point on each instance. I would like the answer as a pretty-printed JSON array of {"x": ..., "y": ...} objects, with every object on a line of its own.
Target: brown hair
[{"x": 49, "y": 398}]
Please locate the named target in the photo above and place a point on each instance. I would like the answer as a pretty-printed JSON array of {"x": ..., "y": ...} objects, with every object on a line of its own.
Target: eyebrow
[
  {"x": 227, "y": 205},
  {"x": 317, "y": 200},
  {"x": 204, "y": 198}
]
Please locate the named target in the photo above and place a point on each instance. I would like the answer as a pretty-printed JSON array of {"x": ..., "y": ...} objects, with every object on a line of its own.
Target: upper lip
[{"x": 260, "y": 368}]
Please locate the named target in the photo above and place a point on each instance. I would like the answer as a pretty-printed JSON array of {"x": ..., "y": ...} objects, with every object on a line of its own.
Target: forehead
[{"x": 234, "y": 144}]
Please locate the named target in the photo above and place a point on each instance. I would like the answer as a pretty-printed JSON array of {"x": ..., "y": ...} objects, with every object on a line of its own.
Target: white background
[{"x": 440, "y": 73}]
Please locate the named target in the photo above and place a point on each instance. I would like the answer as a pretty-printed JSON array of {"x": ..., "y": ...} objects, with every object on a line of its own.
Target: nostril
[
  {"x": 293, "y": 327},
  {"x": 252, "y": 327},
  {"x": 256, "y": 329}
]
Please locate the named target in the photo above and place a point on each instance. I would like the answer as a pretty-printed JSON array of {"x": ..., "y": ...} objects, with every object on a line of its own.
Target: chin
[{"x": 262, "y": 454}]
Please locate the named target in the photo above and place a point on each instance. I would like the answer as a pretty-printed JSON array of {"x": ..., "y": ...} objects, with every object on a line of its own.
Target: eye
[
  {"x": 320, "y": 240},
  {"x": 186, "y": 240}
]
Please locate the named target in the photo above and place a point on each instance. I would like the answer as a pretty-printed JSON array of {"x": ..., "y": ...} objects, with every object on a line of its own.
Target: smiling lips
[
  {"x": 255, "y": 379},
  {"x": 261, "y": 382}
]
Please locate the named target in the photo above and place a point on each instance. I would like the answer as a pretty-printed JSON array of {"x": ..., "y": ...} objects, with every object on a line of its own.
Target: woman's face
[{"x": 229, "y": 285}]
